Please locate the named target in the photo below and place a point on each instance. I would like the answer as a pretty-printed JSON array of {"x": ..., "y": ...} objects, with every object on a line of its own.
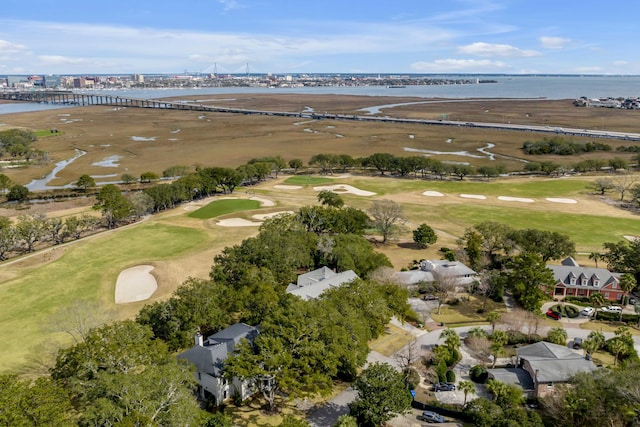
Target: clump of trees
[{"x": 558, "y": 145}]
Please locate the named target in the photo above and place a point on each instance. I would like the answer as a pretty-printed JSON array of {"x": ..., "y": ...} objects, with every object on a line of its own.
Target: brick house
[{"x": 575, "y": 280}]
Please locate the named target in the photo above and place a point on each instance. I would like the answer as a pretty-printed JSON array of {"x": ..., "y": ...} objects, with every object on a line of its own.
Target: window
[
  {"x": 596, "y": 282},
  {"x": 614, "y": 286},
  {"x": 606, "y": 295},
  {"x": 581, "y": 291},
  {"x": 572, "y": 281},
  {"x": 584, "y": 281}
]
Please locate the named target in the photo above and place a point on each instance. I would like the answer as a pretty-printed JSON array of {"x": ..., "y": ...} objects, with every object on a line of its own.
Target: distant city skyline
[{"x": 276, "y": 36}]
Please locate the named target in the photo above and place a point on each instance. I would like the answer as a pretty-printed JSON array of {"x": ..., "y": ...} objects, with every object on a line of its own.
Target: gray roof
[
  {"x": 412, "y": 277},
  {"x": 313, "y": 284},
  {"x": 570, "y": 269},
  {"x": 515, "y": 376},
  {"x": 554, "y": 363},
  {"x": 209, "y": 358}
]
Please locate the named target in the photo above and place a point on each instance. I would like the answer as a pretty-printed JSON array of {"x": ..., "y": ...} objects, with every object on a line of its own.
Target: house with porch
[
  {"x": 209, "y": 355},
  {"x": 431, "y": 269},
  {"x": 575, "y": 280}
]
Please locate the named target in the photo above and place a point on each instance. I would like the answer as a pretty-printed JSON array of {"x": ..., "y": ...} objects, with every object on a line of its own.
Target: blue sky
[{"x": 348, "y": 36}]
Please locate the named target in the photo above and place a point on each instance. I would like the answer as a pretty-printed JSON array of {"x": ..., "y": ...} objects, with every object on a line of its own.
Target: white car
[
  {"x": 611, "y": 309},
  {"x": 587, "y": 311}
]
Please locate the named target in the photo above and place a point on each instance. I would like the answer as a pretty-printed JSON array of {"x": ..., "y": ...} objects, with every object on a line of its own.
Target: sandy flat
[
  {"x": 433, "y": 194},
  {"x": 473, "y": 196},
  {"x": 238, "y": 222},
  {"x": 287, "y": 187},
  {"x": 561, "y": 200},
  {"x": 262, "y": 217},
  {"x": 135, "y": 284},
  {"x": 630, "y": 238},
  {"x": 515, "y": 199},
  {"x": 343, "y": 188},
  {"x": 264, "y": 202}
]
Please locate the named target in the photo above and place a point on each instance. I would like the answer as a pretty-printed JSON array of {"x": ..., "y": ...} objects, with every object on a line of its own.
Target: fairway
[
  {"x": 307, "y": 180},
  {"x": 223, "y": 207}
]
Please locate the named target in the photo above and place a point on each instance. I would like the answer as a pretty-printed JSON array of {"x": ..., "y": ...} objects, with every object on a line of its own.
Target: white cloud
[
  {"x": 492, "y": 50},
  {"x": 554, "y": 42},
  {"x": 621, "y": 62},
  {"x": 8, "y": 47},
  {"x": 230, "y": 4},
  {"x": 458, "y": 66}
]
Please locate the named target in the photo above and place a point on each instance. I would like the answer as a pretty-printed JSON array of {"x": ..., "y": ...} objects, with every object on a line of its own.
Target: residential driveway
[
  {"x": 328, "y": 414},
  {"x": 411, "y": 420}
]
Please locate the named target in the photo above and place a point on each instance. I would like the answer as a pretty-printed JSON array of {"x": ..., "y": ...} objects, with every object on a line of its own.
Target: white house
[
  {"x": 312, "y": 284},
  {"x": 208, "y": 356},
  {"x": 431, "y": 269}
]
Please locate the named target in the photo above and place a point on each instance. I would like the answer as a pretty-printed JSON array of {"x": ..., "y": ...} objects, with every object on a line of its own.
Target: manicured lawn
[
  {"x": 223, "y": 207},
  {"x": 596, "y": 325},
  {"x": 87, "y": 270},
  {"x": 307, "y": 180},
  {"x": 391, "y": 341},
  {"x": 465, "y": 311}
]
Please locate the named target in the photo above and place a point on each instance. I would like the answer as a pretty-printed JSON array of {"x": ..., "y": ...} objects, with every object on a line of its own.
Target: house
[
  {"x": 572, "y": 279},
  {"x": 209, "y": 356},
  {"x": 550, "y": 364},
  {"x": 431, "y": 269},
  {"x": 312, "y": 284}
]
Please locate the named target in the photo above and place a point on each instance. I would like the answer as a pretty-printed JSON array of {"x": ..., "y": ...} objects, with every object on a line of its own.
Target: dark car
[
  {"x": 554, "y": 315},
  {"x": 443, "y": 387},
  {"x": 577, "y": 342},
  {"x": 430, "y": 297},
  {"x": 431, "y": 417}
]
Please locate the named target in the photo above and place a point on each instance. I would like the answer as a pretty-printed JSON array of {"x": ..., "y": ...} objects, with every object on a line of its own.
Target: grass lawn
[
  {"x": 603, "y": 358},
  {"x": 223, "y": 207},
  {"x": 466, "y": 312},
  {"x": 597, "y": 325},
  {"x": 87, "y": 270},
  {"x": 393, "y": 339},
  {"x": 307, "y": 180}
]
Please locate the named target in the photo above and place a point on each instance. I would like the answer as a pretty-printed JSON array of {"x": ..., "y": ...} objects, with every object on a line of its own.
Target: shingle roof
[
  {"x": 554, "y": 363},
  {"x": 570, "y": 269},
  {"x": 515, "y": 376},
  {"x": 209, "y": 358}
]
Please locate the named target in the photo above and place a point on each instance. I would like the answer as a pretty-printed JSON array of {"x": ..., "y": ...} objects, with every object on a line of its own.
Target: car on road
[
  {"x": 431, "y": 417},
  {"x": 429, "y": 297},
  {"x": 554, "y": 315},
  {"x": 588, "y": 311},
  {"x": 443, "y": 387},
  {"x": 611, "y": 309}
]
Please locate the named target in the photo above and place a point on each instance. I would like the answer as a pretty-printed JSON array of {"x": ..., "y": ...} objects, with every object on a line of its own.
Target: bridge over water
[{"x": 80, "y": 99}]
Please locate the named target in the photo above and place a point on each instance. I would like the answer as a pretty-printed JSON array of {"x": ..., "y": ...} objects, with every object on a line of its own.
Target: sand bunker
[
  {"x": 473, "y": 196},
  {"x": 263, "y": 202},
  {"x": 262, "y": 217},
  {"x": 287, "y": 187},
  {"x": 515, "y": 199},
  {"x": 343, "y": 188},
  {"x": 238, "y": 222},
  {"x": 561, "y": 200},
  {"x": 135, "y": 284},
  {"x": 433, "y": 194},
  {"x": 630, "y": 238}
]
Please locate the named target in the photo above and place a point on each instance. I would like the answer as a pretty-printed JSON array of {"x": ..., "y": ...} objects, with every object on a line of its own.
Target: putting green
[{"x": 223, "y": 207}]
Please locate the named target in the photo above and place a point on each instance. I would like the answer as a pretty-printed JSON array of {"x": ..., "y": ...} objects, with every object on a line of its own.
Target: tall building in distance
[{"x": 138, "y": 78}]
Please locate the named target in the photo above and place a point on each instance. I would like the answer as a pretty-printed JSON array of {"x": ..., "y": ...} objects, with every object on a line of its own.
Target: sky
[{"x": 324, "y": 36}]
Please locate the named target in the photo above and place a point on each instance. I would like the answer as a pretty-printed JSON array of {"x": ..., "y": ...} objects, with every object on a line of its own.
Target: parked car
[
  {"x": 588, "y": 311},
  {"x": 577, "y": 342},
  {"x": 431, "y": 417},
  {"x": 632, "y": 301},
  {"x": 611, "y": 309},
  {"x": 443, "y": 387},
  {"x": 430, "y": 297},
  {"x": 554, "y": 315}
]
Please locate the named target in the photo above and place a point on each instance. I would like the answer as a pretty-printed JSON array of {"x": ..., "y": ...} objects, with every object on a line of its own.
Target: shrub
[
  {"x": 571, "y": 311},
  {"x": 453, "y": 358},
  {"x": 516, "y": 337},
  {"x": 413, "y": 379},
  {"x": 451, "y": 377},
  {"x": 478, "y": 374},
  {"x": 441, "y": 370}
]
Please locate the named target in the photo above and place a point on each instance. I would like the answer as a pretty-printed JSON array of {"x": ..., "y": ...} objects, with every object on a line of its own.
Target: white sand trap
[
  {"x": 262, "y": 217},
  {"x": 192, "y": 208},
  {"x": 433, "y": 194},
  {"x": 515, "y": 199},
  {"x": 238, "y": 222},
  {"x": 135, "y": 284},
  {"x": 264, "y": 202},
  {"x": 287, "y": 187},
  {"x": 630, "y": 238},
  {"x": 473, "y": 196},
  {"x": 343, "y": 188},
  {"x": 561, "y": 200}
]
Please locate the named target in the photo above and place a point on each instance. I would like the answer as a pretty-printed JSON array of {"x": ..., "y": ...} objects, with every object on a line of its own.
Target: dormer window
[
  {"x": 596, "y": 282},
  {"x": 584, "y": 281},
  {"x": 572, "y": 281},
  {"x": 614, "y": 286}
]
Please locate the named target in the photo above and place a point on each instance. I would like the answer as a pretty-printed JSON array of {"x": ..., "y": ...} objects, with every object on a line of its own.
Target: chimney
[{"x": 199, "y": 339}]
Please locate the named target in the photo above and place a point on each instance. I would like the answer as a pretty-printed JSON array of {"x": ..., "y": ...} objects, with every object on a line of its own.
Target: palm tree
[
  {"x": 497, "y": 388},
  {"x": 627, "y": 284},
  {"x": 451, "y": 339},
  {"x": 597, "y": 300},
  {"x": 477, "y": 332},
  {"x": 596, "y": 256},
  {"x": 617, "y": 346},
  {"x": 598, "y": 338},
  {"x": 492, "y": 317},
  {"x": 466, "y": 387}
]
